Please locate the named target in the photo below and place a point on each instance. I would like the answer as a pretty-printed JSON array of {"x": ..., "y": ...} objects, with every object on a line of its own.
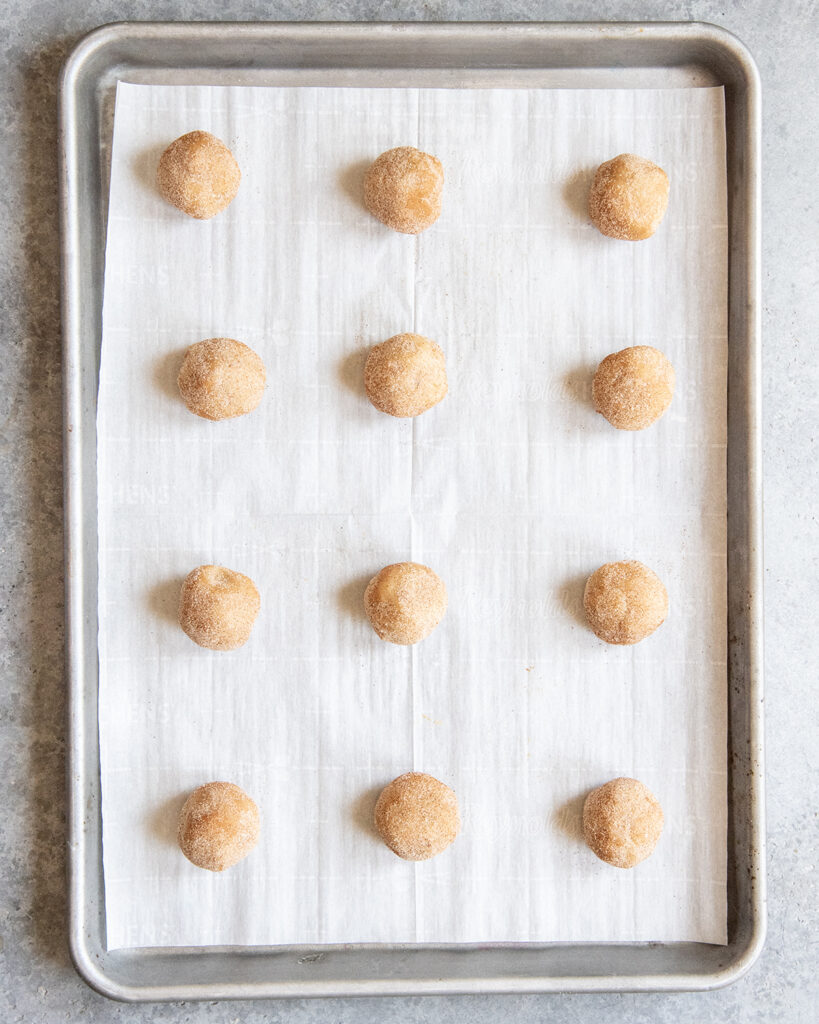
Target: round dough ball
[
  {"x": 628, "y": 197},
  {"x": 405, "y": 375},
  {"x": 402, "y": 188},
  {"x": 625, "y": 602},
  {"x": 218, "y": 826},
  {"x": 198, "y": 174},
  {"x": 405, "y": 602},
  {"x": 417, "y": 816},
  {"x": 622, "y": 821},
  {"x": 634, "y": 387},
  {"x": 217, "y": 607},
  {"x": 221, "y": 378}
]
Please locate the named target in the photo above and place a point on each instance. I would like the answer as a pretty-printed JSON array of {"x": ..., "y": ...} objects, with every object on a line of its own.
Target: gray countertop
[{"x": 37, "y": 982}]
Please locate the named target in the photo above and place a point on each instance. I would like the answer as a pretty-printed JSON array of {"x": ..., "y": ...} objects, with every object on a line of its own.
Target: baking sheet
[{"x": 512, "y": 489}]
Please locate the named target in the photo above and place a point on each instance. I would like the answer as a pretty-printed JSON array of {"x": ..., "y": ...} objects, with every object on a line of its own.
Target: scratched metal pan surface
[{"x": 463, "y": 55}]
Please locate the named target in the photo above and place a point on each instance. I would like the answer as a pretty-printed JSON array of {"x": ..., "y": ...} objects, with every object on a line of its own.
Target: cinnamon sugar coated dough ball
[
  {"x": 218, "y": 826},
  {"x": 625, "y": 602},
  {"x": 217, "y": 607},
  {"x": 198, "y": 174},
  {"x": 622, "y": 821},
  {"x": 221, "y": 378},
  {"x": 405, "y": 375},
  {"x": 405, "y": 602},
  {"x": 634, "y": 387},
  {"x": 402, "y": 188},
  {"x": 417, "y": 816},
  {"x": 628, "y": 197}
]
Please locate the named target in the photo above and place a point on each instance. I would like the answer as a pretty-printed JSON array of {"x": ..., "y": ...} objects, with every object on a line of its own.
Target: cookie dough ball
[
  {"x": 198, "y": 174},
  {"x": 405, "y": 602},
  {"x": 625, "y": 602},
  {"x": 417, "y": 816},
  {"x": 628, "y": 197},
  {"x": 634, "y": 387},
  {"x": 622, "y": 821},
  {"x": 218, "y": 826},
  {"x": 402, "y": 188},
  {"x": 221, "y": 378},
  {"x": 217, "y": 607},
  {"x": 405, "y": 375}
]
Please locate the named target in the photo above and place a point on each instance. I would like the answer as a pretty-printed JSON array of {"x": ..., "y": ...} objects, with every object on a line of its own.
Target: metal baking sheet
[{"x": 463, "y": 55}]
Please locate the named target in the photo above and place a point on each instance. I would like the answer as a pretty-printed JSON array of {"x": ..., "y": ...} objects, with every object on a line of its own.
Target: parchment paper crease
[{"x": 512, "y": 489}]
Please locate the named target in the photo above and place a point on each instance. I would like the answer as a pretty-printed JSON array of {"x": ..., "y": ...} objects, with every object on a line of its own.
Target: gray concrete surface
[{"x": 37, "y": 982}]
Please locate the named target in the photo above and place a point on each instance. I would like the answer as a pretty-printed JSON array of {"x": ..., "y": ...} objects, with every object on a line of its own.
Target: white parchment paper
[{"x": 512, "y": 489}]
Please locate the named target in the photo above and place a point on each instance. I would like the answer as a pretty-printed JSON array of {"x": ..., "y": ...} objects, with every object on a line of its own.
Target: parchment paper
[{"x": 513, "y": 490}]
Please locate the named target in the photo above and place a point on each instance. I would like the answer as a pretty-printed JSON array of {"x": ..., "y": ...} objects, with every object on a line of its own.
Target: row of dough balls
[
  {"x": 199, "y": 175},
  {"x": 417, "y": 817},
  {"x": 221, "y": 378},
  {"x": 624, "y": 603}
]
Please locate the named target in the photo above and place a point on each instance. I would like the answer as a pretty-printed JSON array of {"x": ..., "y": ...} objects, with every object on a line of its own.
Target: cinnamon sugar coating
[
  {"x": 217, "y": 607},
  {"x": 198, "y": 174},
  {"x": 417, "y": 816},
  {"x": 405, "y": 602},
  {"x": 634, "y": 387},
  {"x": 622, "y": 822},
  {"x": 628, "y": 197},
  {"x": 218, "y": 826},
  {"x": 625, "y": 602},
  {"x": 221, "y": 378},
  {"x": 405, "y": 375},
  {"x": 402, "y": 188}
]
